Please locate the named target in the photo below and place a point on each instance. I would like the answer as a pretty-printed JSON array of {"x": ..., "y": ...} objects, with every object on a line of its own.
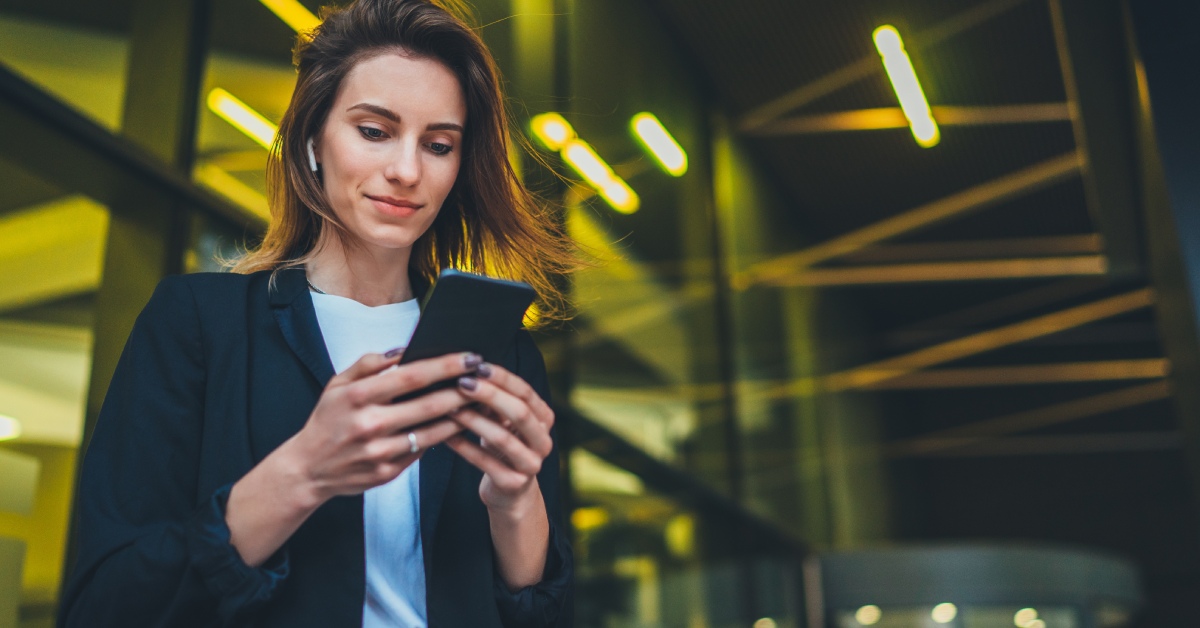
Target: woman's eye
[
  {"x": 371, "y": 132},
  {"x": 440, "y": 149}
]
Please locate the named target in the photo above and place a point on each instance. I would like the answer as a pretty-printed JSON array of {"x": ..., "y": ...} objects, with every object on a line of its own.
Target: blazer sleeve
[
  {"x": 547, "y": 603},
  {"x": 151, "y": 552}
]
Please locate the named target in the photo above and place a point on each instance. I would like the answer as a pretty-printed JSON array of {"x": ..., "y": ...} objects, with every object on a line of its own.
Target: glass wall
[{"x": 51, "y": 255}]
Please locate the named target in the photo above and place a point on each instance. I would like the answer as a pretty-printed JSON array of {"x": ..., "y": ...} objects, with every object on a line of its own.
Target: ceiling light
[
  {"x": 868, "y": 615},
  {"x": 10, "y": 428},
  {"x": 908, "y": 89},
  {"x": 595, "y": 171},
  {"x": 1024, "y": 617},
  {"x": 242, "y": 117},
  {"x": 293, "y": 13},
  {"x": 655, "y": 137},
  {"x": 553, "y": 130},
  {"x": 944, "y": 613}
]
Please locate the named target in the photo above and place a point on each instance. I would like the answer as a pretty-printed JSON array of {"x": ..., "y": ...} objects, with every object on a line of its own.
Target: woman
[{"x": 234, "y": 479}]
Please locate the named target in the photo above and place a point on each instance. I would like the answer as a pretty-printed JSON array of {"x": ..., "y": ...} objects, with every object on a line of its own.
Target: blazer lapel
[{"x": 293, "y": 308}]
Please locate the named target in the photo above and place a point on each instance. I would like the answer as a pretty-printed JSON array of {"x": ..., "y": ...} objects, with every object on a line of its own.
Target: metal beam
[
  {"x": 1057, "y": 445},
  {"x": 893, "y": 118},
  {"x": 1029, "y": 374},
  {"x": 970, "y": 200},
  {"x": 870, "y": 65},
  {"x": 978, "y": 249},
  {"x": 1046, "y": 416},
  {"x": 1094, "y": 59},
  {"x": 973, "y": 270},
  {"x": 990, "y": 340}
]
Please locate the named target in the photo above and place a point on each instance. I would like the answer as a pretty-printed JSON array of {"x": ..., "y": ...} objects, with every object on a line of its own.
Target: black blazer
[{"x": 219, "y": 371}]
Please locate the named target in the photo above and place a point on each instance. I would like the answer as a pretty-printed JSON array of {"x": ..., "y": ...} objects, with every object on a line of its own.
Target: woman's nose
[{"x": 404, "y": 166}]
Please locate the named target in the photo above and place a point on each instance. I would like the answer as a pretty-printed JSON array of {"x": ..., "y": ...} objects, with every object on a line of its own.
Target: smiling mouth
[{"x": 396, "y": 202}]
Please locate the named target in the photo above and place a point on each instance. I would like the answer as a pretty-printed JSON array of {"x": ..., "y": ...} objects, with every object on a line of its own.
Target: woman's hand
[
  {"x": 513, "y": 424},
  {"x": 356, "y": 438}
]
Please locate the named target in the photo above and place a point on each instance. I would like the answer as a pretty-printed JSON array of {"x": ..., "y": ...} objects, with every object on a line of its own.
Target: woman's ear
[{"x": 312, "y": 156}]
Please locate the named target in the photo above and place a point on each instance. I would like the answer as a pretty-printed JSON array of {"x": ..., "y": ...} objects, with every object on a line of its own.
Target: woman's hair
[{"x": 488, "y": 223}]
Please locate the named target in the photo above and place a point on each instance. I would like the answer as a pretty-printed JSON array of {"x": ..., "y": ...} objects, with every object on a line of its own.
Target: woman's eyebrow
[
  {"x": 377, "y": 110},
  {"x": 394, "y": 117}
]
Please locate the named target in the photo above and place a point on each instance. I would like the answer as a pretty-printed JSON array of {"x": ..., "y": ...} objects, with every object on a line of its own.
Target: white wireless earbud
[{"x": 312, "y": 156}]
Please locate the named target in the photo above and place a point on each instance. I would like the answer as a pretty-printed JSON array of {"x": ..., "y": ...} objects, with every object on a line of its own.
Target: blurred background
[{"x": 894, "y": 326}]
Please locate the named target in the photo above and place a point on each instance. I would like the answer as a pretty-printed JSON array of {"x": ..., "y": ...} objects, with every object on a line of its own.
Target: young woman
[{"x": 249, "y": 468}]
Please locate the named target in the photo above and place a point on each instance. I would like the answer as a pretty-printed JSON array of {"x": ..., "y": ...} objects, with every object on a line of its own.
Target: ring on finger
[{"x": 413, "y": 447}]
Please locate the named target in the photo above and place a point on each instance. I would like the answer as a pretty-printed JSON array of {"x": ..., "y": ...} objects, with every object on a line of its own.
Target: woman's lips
[{"x": 394, "y": 206}]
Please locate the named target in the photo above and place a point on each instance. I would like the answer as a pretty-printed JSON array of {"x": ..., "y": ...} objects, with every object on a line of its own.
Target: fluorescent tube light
[
  {"x": 553, "y": 130},
  {"x": 908, "y": 89},
  {"x": 242, "y": 117},
  {"x": 10, "y": 428},
  {"x": 599, "y": 175},
  {"x": 658, "y": 141}
]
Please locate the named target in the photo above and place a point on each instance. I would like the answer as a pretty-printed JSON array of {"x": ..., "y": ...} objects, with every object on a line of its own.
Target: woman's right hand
[{"x": 356, "y": 438}]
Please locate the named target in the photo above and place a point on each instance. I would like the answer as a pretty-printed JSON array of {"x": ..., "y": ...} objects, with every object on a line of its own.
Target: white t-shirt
[{"x": 395, "y": 596}]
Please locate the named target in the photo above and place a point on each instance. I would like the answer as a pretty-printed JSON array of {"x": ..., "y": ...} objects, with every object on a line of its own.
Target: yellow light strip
[
  {"x": 908, "y": 89},
  {"x": 655, "y": 137},
  {"x": 293, "y": 13},
  {"x": 242, "y": 117},
  {"x": 970, "y": 270},
  {"x": 10, "y": 428},
  {"x": 1030, "y": 374},
  {"x": 229, "y": 186},
  {"x": 552, "y": 129},
  {"x": 982, "y": 342}
]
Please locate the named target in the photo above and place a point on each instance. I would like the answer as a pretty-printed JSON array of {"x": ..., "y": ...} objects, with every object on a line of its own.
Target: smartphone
[{"x": 467, "y": 312}]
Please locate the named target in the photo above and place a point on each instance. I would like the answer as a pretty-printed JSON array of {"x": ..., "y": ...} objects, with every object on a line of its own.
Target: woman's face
[{"x": 391, "y": 147}]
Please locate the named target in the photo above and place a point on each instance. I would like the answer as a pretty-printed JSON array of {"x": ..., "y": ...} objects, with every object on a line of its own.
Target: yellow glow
[
  {"x": 944, "y": 613},
  {"x": 293, "y": 14},
  {"x": 552, "y": 129},
  {"x": 10, "y": 428},
  {"x": 868, "y": 615},
  {"x": 242, "y": 117},
  {"x": 765, "y": 622},
  {"x": 1037, "y": 623},
  {"x": 680, "y": 535},
  {"x": 655, "y": 137},
  {"x": 596, "y": 172},
  {"x": 908, "y": 89},
  {"x": 233, "y": 189},
  {"x": 589, "y": 518},
  {"x": 1025, "y": 617}
]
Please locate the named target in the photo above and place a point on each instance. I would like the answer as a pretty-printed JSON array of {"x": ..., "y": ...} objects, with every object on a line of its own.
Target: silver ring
[{"x": 412, "y": 443}]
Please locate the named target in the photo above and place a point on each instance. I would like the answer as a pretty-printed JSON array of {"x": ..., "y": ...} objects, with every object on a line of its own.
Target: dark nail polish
[
  {"x": 468, "y": 383},
  {"x": 394, "y": 353},
  {"x": 484, "y": 370},
  {"x": 472, "y": 360}
]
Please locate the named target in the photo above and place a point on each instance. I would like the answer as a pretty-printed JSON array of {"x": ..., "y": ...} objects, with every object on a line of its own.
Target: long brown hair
[{"x": 489, "y": 222}]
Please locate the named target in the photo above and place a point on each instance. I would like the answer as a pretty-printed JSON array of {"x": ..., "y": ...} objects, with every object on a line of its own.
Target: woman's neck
[{"x": 369, "y": 275}]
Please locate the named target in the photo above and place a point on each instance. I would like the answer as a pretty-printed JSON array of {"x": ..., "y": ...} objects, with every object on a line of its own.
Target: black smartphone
[{"x": 467, "y": 312}]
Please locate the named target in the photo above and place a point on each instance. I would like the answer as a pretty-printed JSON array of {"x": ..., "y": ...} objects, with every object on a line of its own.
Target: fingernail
[
  {"x": 484, "y": 370},
  {"x": 394, "y": 353},
  {"x": 468, "y": 383},
  {"x": 472, "y": 360}
]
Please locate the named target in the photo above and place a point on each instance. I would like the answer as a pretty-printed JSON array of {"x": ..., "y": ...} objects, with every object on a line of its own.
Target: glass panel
[
  {"x": 644, "y": 560},
  {"x": 648, "y": 352},
  {"x": 76, "y": 51},
  {"x": 248, "y": 68},
  {"x": 51, "y": 256}
]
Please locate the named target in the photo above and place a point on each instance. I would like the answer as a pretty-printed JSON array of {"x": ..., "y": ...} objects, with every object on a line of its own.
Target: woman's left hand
[{"x": 513, "y": 424}]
